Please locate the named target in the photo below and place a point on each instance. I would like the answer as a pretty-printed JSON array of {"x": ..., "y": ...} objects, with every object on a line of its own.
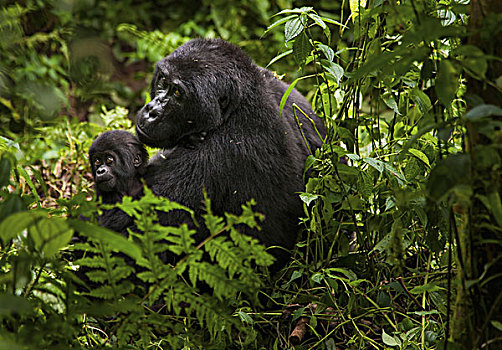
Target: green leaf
[
  {"x": 327, "y": 51},
  {"x": 116, "y": 241},
  {"x": 300, "y": 11},
  {"x": 375, "y": 163},
  {"x": 27, "y": 178},
  {"x": 298, "y": 313},
  {"x": 447, "y": 174},
  {"x": 355, "y": 5},
  {"x": 421, "y": 100},
  {"x": 286, "y": 95},
  {"x": 10, "y": 304},
  {"x": 389, "y": 100},
  {"x": 244, "y": 317},
  {"x": 482, "y": 111},
  {"x": 293, "y": 28},
  {"x": 495, "y": 206},
  {"x": 473, "y": 60},
  {"x": 429, "y": 287},
  {"x": 279, "y": 22},
  {"x": 389, "y": 340},
  {"x": 307, "y": 198},
  {"x": 420, "y": 155},
  {"x": 497, "y": 325},
  {"x": 447, "y": 82},
  {"x": 16, "y": 223},
  {"x": 317, "y": 278},
  {"x": 334, "y": 69},
  {"x": 4, "y": 171},
  {"x": 278, "y": 57},
  {"x": 301, "y": 49},
  {"x": 318, "y": 20},
  {"x": 50, "y": 234}
]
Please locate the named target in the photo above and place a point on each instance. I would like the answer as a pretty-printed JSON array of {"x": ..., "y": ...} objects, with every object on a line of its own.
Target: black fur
[
  {"x": 118, "y": 162},
  {"x": 212, "y": 88}
]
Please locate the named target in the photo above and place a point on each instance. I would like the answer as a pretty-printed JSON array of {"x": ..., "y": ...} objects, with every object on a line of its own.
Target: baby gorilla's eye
[
  {"x": 109, "y": 160},
  {"x": 176, "y": 92},
  {"x": 97, "y": 162}
]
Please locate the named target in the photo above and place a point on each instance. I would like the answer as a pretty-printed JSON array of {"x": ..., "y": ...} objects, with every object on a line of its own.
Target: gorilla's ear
[{"x": 137, "y": 160}]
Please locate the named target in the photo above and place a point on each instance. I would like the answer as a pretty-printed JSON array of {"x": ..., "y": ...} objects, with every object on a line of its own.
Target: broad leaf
[
  {"x": 293, "y": 28},
  {"x": 447, "y": 83}
]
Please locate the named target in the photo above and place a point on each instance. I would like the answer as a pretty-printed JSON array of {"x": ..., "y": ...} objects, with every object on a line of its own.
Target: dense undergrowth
[{"x": 399, "y": 194}]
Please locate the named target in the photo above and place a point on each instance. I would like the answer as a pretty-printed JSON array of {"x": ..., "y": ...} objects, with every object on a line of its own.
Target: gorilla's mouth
[
  {"x": 106, "y": 184},
  {"x": 153, "y": 142}
]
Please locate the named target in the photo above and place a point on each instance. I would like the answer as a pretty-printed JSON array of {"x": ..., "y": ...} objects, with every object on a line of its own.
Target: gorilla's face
[
  {"x": 162, "y": 122},
  {"x": 116, "y": 158},
  {"x": 190, "y": 92},
  {"x": 104, "y": 170}
]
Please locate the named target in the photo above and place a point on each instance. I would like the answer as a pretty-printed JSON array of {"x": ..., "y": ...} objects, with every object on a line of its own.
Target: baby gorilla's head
[{"x": 118, "y": 160}]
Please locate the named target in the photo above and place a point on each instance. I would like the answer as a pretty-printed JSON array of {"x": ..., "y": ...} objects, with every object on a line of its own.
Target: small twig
[{"x": 401, "y": 282}]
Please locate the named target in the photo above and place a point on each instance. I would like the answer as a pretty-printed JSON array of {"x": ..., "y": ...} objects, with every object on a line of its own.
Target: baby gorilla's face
[
  {"x": 118, "y": 161},
  {"x": 104, "y": 171}
]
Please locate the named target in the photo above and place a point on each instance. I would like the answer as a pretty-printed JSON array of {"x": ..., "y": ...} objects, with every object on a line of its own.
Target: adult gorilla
[{"x": 212, "y": 89}]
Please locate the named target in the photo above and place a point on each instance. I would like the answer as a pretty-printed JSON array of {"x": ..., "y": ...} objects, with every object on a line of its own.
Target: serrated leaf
[
  {"x": 293, "y": 28},
  {"x": 301, "y": 49},
  {"x": 447, "y": 82},
  {"x": 327, "y": 51},
  {"x": 334, "y": 69},
  {"x": 279, "y": 22},
  {"x": 318, "y": 20},
  {"x": 375, "y": 163},
  {"x": 420, "y": 155},
  {"x": 300, "y": 10}
]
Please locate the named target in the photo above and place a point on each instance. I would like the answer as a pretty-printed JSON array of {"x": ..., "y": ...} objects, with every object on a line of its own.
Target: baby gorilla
[{"x": 118, "y": 160}]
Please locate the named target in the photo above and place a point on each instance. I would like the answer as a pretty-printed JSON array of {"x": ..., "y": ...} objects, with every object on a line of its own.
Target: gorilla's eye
[
  {"x": 97, "y": 162},
  {"x": 161, "y": 83},
  {"x": 176, "y": 91},
  {"x": 109, "y": 160}
]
